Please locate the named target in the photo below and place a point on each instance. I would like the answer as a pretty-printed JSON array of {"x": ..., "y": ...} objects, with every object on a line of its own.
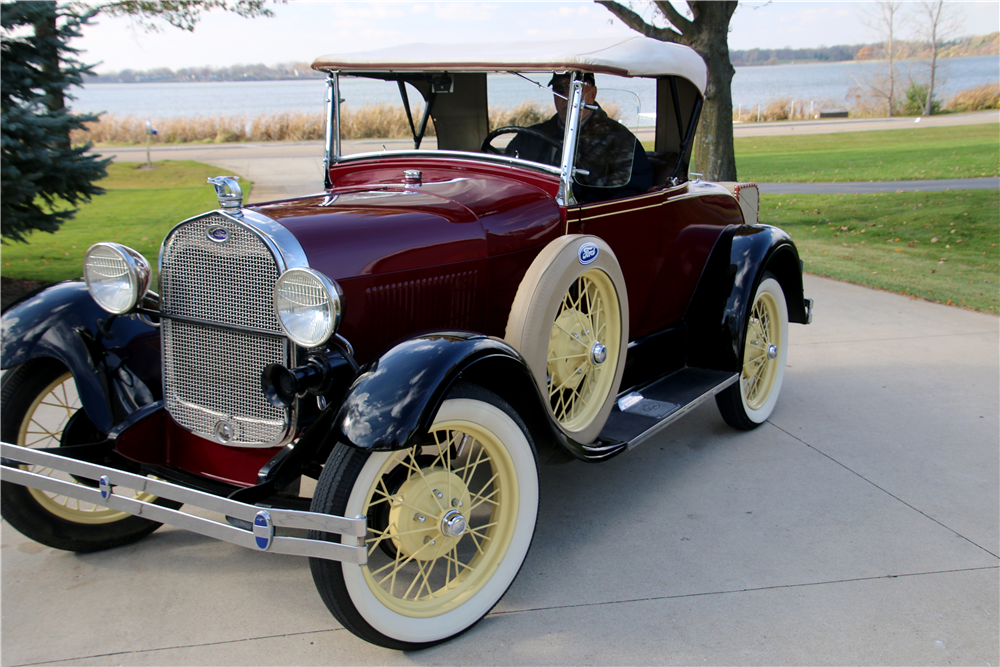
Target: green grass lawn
[
  {"x": 959, "y": 151},
  {"x": 141, "y": 205},
  {"x": 940, "y": 246}
]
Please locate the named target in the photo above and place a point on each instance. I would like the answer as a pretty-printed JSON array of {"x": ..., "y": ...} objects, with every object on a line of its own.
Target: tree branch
[
  {"x": 678, "y": 20},
  {"x": 636, "y": 22}
]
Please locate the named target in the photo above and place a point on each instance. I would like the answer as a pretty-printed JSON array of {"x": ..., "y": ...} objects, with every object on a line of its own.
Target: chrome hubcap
[
  {"x": 772, "y": 351},
  {"x": 598, "y": 353},
  {"x": 453, "y": 524}
]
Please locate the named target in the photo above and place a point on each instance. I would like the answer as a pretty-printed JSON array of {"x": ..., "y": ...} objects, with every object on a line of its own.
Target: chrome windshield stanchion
[
  {"x": 565, "y": 196},
  {"x": 332, "y": 125}
]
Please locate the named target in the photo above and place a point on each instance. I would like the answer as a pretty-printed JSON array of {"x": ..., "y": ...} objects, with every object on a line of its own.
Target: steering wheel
[{"x": 514, "y": 129}]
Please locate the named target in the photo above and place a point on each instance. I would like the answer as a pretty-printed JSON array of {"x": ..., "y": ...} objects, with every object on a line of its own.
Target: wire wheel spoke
[{"x": 413, "y": 559}]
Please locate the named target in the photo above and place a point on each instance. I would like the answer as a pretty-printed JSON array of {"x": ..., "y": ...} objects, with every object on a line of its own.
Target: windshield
[{"x": 519, "y": 116}]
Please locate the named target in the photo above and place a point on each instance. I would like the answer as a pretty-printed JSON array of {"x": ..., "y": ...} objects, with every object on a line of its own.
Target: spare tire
[{"x": 569, "y": 321}]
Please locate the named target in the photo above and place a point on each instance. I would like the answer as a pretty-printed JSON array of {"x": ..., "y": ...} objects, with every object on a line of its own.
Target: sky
[{"x": 302, "y": 30}]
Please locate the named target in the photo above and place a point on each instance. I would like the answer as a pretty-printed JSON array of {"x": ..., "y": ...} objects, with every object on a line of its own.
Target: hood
[
  {"x": 350, "y": 232},
  {"x": 386, "y": 227}
]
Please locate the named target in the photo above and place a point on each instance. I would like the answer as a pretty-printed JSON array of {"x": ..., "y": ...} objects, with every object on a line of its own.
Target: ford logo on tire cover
[{"x": 588, "y": 252}]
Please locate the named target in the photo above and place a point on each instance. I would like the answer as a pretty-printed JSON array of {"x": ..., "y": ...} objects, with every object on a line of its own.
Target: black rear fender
[{"x": 716, "y": 317}]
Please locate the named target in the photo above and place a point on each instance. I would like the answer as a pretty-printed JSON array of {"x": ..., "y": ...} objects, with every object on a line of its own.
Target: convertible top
[{"x": 622, "y": 56}]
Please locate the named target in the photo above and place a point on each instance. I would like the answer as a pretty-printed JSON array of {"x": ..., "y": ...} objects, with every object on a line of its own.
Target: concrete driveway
[{"x": 859, "y": 525}]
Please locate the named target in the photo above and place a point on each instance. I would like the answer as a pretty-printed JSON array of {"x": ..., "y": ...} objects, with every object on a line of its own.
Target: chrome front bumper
[{"x": 263, "y": 519}]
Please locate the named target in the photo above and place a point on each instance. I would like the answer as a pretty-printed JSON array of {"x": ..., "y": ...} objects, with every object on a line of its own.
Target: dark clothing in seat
[{"x": 617, "y": 163}]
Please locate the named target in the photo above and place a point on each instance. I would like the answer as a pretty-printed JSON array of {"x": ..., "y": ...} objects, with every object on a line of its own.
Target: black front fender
[
  {"x": 394, "y": 399},
  {"x": 61, "y": 322},
  {"x": 392, "y": 403}
]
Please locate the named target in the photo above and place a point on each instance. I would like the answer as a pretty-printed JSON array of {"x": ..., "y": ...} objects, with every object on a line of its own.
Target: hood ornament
[{"x": 229, "y": 193}]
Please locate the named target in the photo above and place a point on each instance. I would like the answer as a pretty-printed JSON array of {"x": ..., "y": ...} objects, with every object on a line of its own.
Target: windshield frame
[{"x": 566, "y": 171}]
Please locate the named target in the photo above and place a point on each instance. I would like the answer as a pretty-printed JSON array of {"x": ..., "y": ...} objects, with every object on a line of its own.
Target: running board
[{"x": 642, "y": 413}]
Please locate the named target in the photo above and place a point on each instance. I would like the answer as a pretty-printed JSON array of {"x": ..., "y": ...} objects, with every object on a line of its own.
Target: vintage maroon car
[{"x": 369, "y": 376}]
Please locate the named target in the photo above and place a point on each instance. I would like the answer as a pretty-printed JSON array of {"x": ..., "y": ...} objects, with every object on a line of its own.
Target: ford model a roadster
[{"x": 411, "y": 340}]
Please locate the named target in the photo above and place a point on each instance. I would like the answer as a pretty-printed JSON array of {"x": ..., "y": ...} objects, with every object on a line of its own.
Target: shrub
[
  {"x": 980, "y": 98},
  {"x": 916, "y": 97}
]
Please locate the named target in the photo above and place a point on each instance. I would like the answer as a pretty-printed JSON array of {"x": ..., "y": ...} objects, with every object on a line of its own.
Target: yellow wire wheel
[
  {"x": 449, "y": 524},
  {"x": 42, "y": 427},
  {"x": 42, "y": 409},
  {"x": 569, "y": 320},
  {"x": 760, "y": 358},
  {"x": 450, "y": 521},
  {"x": 750, "y": 402}
]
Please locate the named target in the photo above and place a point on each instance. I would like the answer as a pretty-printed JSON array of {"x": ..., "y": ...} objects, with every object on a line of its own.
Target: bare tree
[
  {"x": 883, "y": 17},
  {"x": 707, "y": 32},
  {"x": 937, "y": 22}
]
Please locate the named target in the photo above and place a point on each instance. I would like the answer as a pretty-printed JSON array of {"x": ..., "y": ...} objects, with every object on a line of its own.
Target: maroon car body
[{"x": 411, "y": 340}]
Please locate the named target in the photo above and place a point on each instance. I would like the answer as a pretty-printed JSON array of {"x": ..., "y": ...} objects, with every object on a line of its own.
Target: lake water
[{"x": 821, "y": 83}]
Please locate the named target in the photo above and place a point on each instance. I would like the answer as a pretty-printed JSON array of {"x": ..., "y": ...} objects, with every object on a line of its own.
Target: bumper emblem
[
  {"x": 105, "y": 485},
  {"x": 263, "y": 530}
]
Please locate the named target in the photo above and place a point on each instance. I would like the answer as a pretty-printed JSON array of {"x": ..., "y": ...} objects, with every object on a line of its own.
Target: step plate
[{"x": 641, "y": 413}]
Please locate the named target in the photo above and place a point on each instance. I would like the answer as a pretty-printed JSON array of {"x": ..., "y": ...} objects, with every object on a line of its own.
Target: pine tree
[{"x": 44, "y": 177}]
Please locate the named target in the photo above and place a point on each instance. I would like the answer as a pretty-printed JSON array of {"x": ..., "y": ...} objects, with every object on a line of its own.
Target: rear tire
[
  {"x": 748, "y": 403},
  {"x": 38, "y": 400},
  {"x": 477, "y": 476}
]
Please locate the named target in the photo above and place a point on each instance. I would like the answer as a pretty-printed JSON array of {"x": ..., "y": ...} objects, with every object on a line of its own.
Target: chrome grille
[{"x": 212, "y": 374}]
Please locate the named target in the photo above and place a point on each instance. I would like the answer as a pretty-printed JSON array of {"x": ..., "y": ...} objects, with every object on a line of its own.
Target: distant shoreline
[
  {"x": 967, "y": 47},
  {"x": 313, "y": 75}
]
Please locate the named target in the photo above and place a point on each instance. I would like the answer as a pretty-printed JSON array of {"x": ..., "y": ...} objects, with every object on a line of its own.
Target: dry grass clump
[
  {"x": 523, "y": 115},
  {"x": 287, "y": 126},
  {"x": 369, "y": 121},
  {"x": 782, "y": 108},
  {"x": 980, "y": 98},
  {"x": 380, "y": 121}
]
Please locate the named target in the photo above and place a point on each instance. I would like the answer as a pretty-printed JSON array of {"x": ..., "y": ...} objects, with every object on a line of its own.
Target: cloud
[
  {"x": 369, "y": 11},
  {"x": 463, "y": 11}
]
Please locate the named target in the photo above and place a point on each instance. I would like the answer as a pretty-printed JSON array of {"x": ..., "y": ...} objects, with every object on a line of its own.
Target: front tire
[
  {"x": 461, "y": 511},
  {"x": 41, "y": 408},
  {"x": 748, "y": 403}
]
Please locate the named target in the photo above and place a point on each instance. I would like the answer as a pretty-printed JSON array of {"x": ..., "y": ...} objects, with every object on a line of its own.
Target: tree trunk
[
  {"x": 714, "y": 151},
  {"x": 934, "y": 16},
  {"x": 47, "y": 36},
  {"x": 708, "y": 34}
]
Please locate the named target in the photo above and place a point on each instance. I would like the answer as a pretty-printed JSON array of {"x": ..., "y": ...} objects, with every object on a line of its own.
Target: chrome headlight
[
  {"x": 117, "y": 277},
  {"x": 308, "y": 305}
]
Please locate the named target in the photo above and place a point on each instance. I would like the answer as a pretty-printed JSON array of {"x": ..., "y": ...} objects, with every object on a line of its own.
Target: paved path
[{"x": 859, "y": 526}]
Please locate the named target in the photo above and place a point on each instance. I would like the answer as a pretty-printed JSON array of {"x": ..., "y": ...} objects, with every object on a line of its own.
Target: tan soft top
[{"x": 623, "y": 56}]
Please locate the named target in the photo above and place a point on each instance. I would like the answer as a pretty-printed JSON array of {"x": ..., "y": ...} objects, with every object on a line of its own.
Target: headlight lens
[
  {"x": 117, "y": 276},
  {"x": 308, "y": 306}
]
